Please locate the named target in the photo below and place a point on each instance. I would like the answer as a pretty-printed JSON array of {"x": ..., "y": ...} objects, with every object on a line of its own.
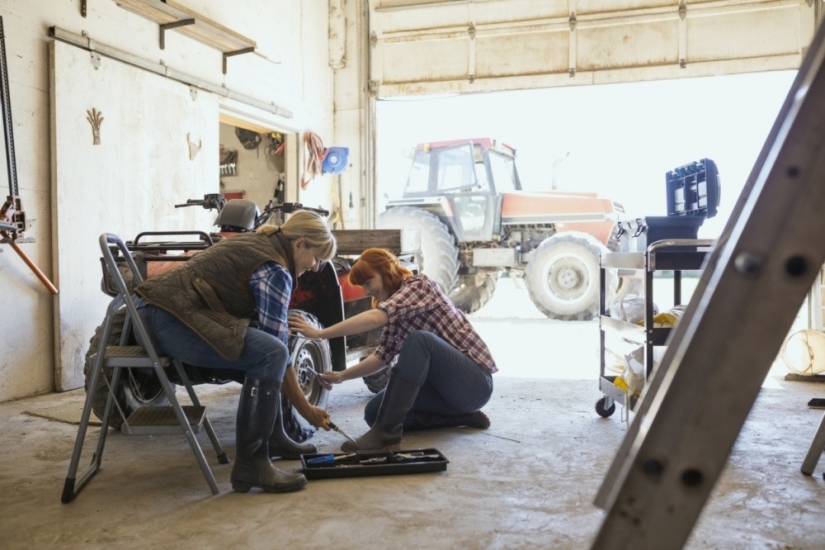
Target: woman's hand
[
  {"x": 318, "y": 417},
  {"x": 300, "y": 325},
  {"x": 327, "y": 379}
]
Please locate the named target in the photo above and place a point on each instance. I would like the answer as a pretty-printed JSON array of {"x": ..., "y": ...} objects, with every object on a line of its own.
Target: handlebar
[{"x": 212, "y": 201}]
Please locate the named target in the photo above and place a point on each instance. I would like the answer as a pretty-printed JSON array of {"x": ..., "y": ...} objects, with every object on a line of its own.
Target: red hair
[{"x": 378, "y": 261}]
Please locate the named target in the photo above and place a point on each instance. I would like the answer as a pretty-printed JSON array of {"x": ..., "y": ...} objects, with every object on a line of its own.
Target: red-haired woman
[{"x": 441, "y": 369}]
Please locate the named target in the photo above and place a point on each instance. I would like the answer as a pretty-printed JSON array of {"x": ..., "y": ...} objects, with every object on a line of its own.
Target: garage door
[
  {"x": 125, "y": 177},
  {"x": 449, "y": 46}
]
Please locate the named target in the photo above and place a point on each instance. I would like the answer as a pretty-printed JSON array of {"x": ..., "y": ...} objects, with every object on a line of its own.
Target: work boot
[
  {"x": 434, "y": 421},
  {"x": 389, "y": 423},
  {"x": 283, "y": 446},
  {"x": 260, "y": 399}
]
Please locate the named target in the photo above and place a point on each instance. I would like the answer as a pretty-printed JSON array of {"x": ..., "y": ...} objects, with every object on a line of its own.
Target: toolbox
[
  {"x": 692, "y": 196},
  {"x": 373, "y": 463}
]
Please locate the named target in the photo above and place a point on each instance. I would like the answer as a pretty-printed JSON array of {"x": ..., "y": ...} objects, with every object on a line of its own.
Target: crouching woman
[{"x": 441, "y": 369}]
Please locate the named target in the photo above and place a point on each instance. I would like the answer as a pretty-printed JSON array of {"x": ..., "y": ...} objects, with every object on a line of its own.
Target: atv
[{"x": 323, "y": 298}]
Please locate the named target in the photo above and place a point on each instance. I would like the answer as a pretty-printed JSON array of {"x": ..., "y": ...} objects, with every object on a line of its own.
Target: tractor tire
[
  {"x": 306, "y": 356},
  {"x": 137, "y": 387},
  {"x": 438, "y": 259},
  {"x": 469, "y": 296},
  {"x": 562, "y": 277}
]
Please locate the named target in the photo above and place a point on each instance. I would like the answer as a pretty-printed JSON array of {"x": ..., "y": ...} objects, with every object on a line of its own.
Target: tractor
[{"x": 476, "y": 222}]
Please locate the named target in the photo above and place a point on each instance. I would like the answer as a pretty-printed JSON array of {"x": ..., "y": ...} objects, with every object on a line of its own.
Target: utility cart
[{"x": 665, "y": 243}]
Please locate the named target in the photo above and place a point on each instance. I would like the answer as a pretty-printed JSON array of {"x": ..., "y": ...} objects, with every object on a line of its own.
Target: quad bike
[{"x": 323, "y": 298}]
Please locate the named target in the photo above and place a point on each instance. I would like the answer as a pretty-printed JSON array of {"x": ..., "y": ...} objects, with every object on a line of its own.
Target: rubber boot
[
  {"x": 435, "y": 421},
  {"x": 283, "y": 446},
  {"x": 260, "y": 399},
  {"x": 389, "y": 423}
]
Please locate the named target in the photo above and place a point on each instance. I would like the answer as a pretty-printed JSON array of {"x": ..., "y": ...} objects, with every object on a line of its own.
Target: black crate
[
  {"x": 693, "y": 190},
  {"x": 374, "y": 463},
  {"x": 659, "y": 228}
]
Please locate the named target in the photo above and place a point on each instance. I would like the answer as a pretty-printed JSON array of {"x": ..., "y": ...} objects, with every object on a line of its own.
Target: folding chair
[{"x": 128, "y": 356}]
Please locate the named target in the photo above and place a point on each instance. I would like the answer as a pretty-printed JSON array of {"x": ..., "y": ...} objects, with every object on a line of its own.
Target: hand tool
[
  {"x": 339, "y": 430},
  {"x": 418, "y": 455},
  {"x": 330, "y": 458}
]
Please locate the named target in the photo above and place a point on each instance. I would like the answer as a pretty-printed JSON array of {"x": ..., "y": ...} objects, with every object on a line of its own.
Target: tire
[
  {"x": 137, "y": 387},
  {"x": 378, "y": 381},
  {"x": 469, "y": 296},
  {"x": 604, "y": 411},
  {"x": 562, "y": 277},
  {"x": 438, "y": 259},
  {"x": 306, "y": 356}
]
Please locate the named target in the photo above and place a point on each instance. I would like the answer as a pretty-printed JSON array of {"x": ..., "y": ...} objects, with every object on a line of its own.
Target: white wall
[{"x": 293, "y": 33}]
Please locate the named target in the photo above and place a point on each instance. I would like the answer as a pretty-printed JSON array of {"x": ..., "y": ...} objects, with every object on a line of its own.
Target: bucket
[{"x": 804, "y": 352}]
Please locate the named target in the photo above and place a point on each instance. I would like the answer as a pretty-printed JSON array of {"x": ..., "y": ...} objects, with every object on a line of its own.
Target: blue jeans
[
  {"x": 263, "y": 355},
  {"x": 451, "y": 383}
]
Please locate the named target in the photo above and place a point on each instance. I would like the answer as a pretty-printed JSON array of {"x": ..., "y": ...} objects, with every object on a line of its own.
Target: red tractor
[{"x": 475, "y": 220}]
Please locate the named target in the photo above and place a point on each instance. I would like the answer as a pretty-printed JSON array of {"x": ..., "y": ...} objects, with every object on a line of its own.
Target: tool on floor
[
  {"x": 331, "y": 458},
  {"x": 339, "y": 430},
  {"x": 415, "y": 456}
]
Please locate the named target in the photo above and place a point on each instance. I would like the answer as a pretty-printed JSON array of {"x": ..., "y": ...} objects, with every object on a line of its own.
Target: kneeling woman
[{"x": 441, "y": 369}]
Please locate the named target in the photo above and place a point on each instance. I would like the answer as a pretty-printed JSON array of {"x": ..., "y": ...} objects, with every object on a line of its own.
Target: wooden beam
[{"x": 352, "y": 242}]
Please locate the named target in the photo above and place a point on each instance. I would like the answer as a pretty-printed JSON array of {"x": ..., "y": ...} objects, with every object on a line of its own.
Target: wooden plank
[
  {"x": 204, "y": 30},
  {"x": 352, "y": 242}
]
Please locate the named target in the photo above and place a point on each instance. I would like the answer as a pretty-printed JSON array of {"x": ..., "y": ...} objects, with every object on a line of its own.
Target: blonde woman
[{"x": 201, "y": 312}]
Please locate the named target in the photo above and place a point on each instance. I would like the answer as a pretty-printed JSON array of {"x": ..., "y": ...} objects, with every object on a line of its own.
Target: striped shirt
[
  {"x": 271, "y": 286},
  {"x": 421, "y": 305}
]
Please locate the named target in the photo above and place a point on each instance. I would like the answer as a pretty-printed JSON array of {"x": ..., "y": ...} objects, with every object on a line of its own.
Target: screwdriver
[
  {"x": 339, "y": 430},
  {"x": 330, "y": 458}
]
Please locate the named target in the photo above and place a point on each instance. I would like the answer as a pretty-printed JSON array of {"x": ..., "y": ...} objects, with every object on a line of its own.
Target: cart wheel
[{"x": 603, "y": 408}]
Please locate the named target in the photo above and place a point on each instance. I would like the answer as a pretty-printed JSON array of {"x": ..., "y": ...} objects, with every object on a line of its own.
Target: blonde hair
[{"x": 311, "y": 227}]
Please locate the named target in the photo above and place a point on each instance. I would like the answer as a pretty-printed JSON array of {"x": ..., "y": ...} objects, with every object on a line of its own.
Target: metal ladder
[
  {"x": 752, "y": 286},
  {"x": 188, "y": 419}
]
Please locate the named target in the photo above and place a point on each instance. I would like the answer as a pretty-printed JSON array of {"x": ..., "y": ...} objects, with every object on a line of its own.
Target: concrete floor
[{"x": 527, "y": 482}]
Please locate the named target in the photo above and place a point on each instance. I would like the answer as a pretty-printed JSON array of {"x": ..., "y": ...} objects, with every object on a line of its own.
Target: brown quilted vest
[{"x": 210, "y": 293}]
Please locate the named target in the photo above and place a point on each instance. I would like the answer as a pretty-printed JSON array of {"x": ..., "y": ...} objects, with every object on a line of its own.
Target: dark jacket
[{"x": 210, "y": 293}]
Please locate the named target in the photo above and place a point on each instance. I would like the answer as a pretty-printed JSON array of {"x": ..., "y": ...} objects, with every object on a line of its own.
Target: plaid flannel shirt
[
  {"x": 421, "y": 305},
  {"x": 271, "y": 286}
]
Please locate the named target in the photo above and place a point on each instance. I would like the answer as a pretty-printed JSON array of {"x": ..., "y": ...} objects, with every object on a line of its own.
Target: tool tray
[{"x": 374, "y": 463}]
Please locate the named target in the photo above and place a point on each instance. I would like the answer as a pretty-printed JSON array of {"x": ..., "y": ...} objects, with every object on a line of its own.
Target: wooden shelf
[{"x": 169, "y": 15}]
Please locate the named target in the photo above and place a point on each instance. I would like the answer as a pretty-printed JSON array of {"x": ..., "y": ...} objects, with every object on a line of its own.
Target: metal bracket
[
  {"x": 83, "y": 8},
  {"x": 227, "y": 55},
  {"x": 173, "y": 25}
]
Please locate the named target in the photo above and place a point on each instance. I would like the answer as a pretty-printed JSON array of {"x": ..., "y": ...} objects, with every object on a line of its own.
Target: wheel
[
  {"x": 307, "y": 356},
  {"x": 438, "y": 259},
  {"x": 562, "y": 277},
  {"x": 469, "y": 296},
  {"x": 137, "y": 387},
  {"x": 378, "y": 381},
  {"x": 603, "y": 410}
]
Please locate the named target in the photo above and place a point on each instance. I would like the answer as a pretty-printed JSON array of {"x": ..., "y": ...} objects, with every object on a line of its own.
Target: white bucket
[{"x": 804, "y": 352}]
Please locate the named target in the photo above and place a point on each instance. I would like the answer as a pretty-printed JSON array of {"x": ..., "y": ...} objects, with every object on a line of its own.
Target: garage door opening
[{"x": 618, "y": 141}]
